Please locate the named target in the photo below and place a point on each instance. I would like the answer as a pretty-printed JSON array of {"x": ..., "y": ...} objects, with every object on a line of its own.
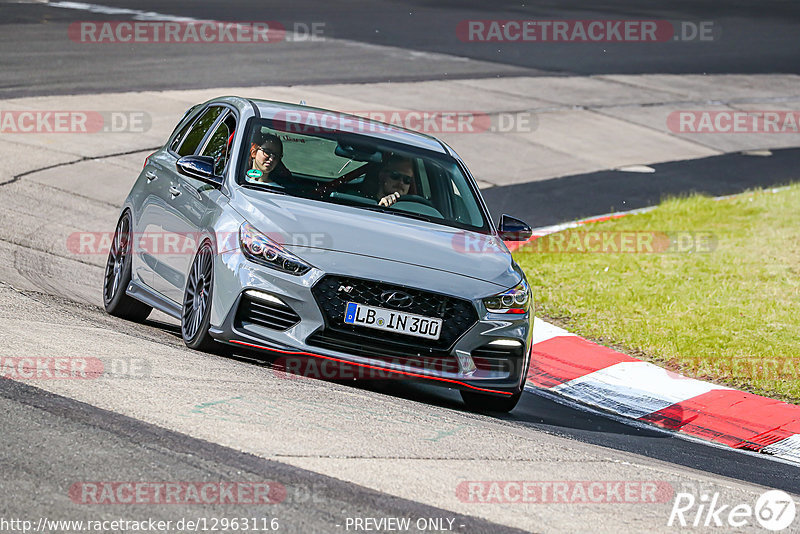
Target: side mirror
[
  {"x": 512, "y": 229},
  {"x": 200, "y": 168}
]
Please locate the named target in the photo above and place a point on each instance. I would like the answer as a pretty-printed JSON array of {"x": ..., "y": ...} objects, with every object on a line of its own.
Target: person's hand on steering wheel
[{"x": 388, "y": 200}]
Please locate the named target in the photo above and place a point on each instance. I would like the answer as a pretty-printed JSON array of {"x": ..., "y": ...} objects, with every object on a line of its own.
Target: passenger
[
  {"x": 266, "y": 152},
  {"x": 394, "y": 179}
]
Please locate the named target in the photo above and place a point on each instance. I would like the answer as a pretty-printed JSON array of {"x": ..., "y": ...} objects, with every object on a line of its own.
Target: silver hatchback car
[{"x": 333, "y": 242}]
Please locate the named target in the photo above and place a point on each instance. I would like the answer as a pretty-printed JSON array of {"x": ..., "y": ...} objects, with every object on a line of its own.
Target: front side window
[
  {"x": 198, "y": 131},
  {"x": 218, "y": 145},
  {"x": 361, "y": 171}
]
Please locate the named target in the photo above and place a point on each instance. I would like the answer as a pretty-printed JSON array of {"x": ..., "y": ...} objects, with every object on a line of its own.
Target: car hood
[{"x": 309, "y": 228}]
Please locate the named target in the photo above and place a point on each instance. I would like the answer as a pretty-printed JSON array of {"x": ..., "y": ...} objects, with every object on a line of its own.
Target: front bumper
[{"x": 490, "y": 356}]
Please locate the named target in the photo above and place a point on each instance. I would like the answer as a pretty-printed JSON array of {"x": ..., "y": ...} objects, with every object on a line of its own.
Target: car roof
[{"x": 310, "y": 116}]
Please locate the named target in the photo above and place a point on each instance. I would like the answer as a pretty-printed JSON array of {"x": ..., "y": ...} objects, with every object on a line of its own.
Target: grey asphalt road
[
  {"x": 570, "y": 198},
  {"x": 382, "y": 41},
  {"x": 51, "y": 443}
]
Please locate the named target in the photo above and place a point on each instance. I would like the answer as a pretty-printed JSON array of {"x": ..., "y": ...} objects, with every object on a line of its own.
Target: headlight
[
  {"x": 261, "y": 249},
  {"x": 515, "y": 300}
]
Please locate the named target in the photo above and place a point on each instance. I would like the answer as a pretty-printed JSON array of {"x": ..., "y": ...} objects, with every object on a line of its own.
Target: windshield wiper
[
  {"x": 410, "y": 215},
  {"x": 264, "y": 187},
  {"x": 400, "y": 213}
]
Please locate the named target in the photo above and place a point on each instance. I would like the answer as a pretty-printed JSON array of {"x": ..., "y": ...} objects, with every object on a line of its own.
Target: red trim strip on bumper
[{"x": 370, "y": 367}]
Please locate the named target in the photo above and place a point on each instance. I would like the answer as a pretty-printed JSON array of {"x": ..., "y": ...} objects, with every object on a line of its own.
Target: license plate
[{"x": 392, "y": 321}]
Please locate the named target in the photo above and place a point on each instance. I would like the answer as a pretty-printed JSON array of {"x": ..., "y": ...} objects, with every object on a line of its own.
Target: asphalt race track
[
  {"x": 341, "y": 451},
  {"x": 585, "y": 195},
  {"x": 756, "y": 37}
]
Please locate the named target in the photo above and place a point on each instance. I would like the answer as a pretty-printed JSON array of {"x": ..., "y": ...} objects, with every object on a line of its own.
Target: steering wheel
[
  {"x": 324, "y": 189},
  {"x": 416, "y": 198}
]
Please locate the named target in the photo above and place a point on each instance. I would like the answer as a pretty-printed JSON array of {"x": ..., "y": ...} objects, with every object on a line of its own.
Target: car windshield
[{"x": 359, "y": 170}]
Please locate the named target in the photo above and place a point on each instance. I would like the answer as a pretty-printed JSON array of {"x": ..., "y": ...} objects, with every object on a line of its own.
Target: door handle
[
  {"x": 174, "y": 191},
  {"x": 150, "y": 175}
]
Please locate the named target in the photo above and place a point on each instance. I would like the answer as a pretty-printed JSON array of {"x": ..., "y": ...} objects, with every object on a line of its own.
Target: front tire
[
  {"x": 196, "y": 312},
  {"x": 118, "y": 275},
  {"x": 481, "y": 402}
]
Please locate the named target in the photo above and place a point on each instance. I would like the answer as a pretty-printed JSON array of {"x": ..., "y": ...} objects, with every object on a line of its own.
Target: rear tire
[
  {"x": 196, "y": 311},
  {"x": 482, "y": 402},
  {"x": 118, "y": 275}
]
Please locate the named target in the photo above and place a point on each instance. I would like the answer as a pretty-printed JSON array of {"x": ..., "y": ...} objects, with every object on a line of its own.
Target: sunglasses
[
  {"x": 270, "y": 154},
  {"x": 395, "y": 175}
]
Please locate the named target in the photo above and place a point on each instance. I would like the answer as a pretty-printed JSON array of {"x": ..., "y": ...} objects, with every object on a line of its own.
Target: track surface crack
[{"x": 21, "y": 175}]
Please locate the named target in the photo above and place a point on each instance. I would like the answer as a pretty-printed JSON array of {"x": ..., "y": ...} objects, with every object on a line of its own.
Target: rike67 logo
[{"x": 774, "y": 510}]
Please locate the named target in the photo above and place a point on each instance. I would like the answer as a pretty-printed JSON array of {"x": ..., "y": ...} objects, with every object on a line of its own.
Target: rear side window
[
  {"x": 198, "y": 131},
  {"x": 218, "y": 145}
]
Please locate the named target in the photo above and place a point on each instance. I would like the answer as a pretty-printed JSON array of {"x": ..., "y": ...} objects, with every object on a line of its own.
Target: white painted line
[
  {"x": 138, "y": 14},
  {"x": 633, "y": 389},
  {"x": 788, "y": 449},
  {"x": 542, "y": 331},
  {"x": 643, "y": 169},
  {"x": 757, "y": 153}
]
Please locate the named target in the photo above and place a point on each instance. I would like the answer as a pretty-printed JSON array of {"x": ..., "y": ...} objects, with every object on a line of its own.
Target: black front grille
[
  {"x": 332, "y": 294},
  {"x": 497, "y": 358},
  {"x": 265, "y": 313},
  {"x": 388, "y": 352}
]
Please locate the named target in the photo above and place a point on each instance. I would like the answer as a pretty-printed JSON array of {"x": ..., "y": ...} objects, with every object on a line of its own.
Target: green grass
[{"x": 731, "y": 315}]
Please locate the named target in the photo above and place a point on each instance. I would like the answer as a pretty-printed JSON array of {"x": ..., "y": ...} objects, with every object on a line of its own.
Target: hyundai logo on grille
[{"x": 397, "y": 298}]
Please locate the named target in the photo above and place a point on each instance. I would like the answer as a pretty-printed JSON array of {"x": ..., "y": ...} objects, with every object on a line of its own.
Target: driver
[{"x": 395, "y": 179}]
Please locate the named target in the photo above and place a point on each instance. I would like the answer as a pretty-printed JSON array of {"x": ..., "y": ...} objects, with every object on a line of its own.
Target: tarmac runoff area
[{"x": 58, "y": 184}]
